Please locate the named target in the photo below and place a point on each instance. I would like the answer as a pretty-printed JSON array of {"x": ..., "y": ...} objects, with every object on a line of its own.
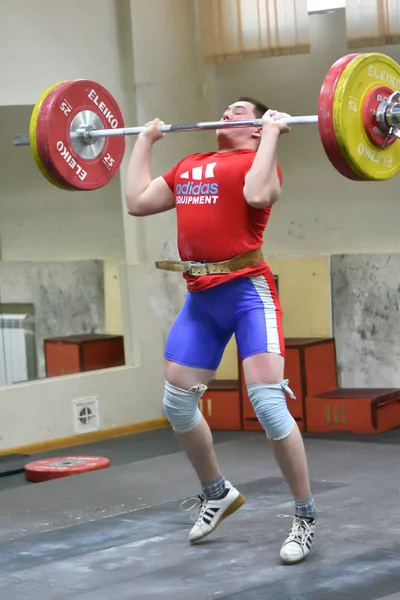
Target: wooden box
[
  {"x": 358, "y": 410},
  {"x": 86, "y": 352},
  {"x": 221, "y": 405},
  {"x": 310, "y": 367}
]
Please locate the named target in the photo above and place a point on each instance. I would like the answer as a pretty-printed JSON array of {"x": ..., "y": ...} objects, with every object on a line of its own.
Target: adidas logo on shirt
[{"x": 196, "y": 190}]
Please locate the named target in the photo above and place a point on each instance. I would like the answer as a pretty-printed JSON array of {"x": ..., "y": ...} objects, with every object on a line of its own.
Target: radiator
[{"x": 17, "y": 348}]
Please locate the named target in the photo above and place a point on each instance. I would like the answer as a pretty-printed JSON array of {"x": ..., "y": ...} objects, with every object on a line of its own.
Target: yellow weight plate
[
  {"x": 33, "y": 138},
  {"x": 365, "y": 72}
]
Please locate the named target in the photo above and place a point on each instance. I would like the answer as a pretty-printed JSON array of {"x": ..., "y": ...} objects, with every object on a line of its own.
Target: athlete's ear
[{"x": 257, "y": 133}]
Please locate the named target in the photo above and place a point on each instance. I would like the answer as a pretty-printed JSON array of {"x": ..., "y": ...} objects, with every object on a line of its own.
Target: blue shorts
[{"x": 247, "y": 307}]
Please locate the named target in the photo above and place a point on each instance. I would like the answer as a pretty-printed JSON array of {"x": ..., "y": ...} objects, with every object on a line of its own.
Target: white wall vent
[{"x": 86, "y": 415}]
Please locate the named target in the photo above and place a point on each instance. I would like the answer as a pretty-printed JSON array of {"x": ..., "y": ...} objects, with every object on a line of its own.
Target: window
[{"x": 314, "y": 6}]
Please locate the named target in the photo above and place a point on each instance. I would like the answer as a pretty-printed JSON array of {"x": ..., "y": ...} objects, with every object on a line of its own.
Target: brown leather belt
[{"x": 202, "y": 267}]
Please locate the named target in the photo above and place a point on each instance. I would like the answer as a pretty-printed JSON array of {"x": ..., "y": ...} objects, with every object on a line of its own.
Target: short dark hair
[{"x": 259, "y": 107}]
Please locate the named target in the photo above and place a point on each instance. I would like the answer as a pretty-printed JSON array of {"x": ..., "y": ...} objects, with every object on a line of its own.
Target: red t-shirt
[{"x": 214, "y": 221}]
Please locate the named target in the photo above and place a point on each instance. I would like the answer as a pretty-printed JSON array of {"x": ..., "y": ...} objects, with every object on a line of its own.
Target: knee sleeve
[
  {"x": 269, "y": 403},
  {"x": 181, "y": 406}
]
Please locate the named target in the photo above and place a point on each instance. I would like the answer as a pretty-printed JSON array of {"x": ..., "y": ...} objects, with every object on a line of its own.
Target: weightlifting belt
[{"x": 202, "y": 267}]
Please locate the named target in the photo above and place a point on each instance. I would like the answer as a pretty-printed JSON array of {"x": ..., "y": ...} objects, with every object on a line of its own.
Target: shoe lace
[
  {"x": 195, "y": 508},
  {"x": 299, "y": 530}
]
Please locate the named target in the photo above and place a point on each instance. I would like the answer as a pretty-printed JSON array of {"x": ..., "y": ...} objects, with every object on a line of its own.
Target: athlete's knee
[
  {"x": 181, "y": 407},
  {"x": 269, "y": 403}
]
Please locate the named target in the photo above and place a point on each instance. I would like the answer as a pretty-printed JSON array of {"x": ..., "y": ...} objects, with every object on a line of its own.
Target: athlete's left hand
[{"x": 273, "y": 118}]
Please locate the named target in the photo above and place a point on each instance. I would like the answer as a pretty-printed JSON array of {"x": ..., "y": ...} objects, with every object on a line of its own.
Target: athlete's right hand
[
  {"x": 273, "y": 118},
  {"x": 152, "y": 132}
]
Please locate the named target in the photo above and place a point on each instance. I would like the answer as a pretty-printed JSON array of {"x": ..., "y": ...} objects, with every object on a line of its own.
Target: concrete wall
[
  {"x": 365, "y": 288},
  {"x": 44, "y": 42},
  {"x": 68, "y": 297}
]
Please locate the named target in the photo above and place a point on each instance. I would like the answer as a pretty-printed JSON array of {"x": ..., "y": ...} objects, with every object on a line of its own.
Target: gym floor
[{"x": 120, "y": 533}]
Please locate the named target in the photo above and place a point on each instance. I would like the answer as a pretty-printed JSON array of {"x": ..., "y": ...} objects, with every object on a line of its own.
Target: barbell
[{"x": 77, "y": 132}]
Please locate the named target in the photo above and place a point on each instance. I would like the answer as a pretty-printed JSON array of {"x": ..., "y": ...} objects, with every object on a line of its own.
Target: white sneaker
[
  {"x": 208, "y": 514},
  {"x": 299, "y": 542}
]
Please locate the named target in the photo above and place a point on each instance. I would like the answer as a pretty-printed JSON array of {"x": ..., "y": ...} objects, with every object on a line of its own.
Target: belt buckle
[{"x": 189, "y": 265}]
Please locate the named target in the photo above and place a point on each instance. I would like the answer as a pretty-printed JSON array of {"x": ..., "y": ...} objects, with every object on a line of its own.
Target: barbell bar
[
  {"x": 206, "y": 125},
  {"x": 77, "y": 133},
  {"x": 89, "y": 135}
]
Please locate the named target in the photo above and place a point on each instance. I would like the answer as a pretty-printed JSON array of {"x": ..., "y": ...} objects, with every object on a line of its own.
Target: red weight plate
[
  {"x": 371, "y": 103},
  {"x": 58, "y": 111},
  {"x": 47, "y": 172},
  {"x": 41, "y": 143},
  {"x": 325, "y": 117},
  {"x": 64, "y": 466}
]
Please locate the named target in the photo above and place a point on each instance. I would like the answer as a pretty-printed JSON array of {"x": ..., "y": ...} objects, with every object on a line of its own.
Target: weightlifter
[{"x": 223, "y": 202}]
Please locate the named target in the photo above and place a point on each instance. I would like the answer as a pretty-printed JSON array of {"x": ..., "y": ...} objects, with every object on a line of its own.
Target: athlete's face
[
  {"x": 238, "y": 136},
  {"x": 239, "y": 111}
]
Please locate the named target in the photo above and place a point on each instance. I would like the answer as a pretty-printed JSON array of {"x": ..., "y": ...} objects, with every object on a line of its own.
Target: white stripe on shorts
[{"x": 271, "y": 321}]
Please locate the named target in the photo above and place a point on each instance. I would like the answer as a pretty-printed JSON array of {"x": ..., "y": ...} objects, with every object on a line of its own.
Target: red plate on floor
[
  {"x": 325, "y": 117},
  {"x": 68, "y": 107},
  {"x": 64, "y": 466}
]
